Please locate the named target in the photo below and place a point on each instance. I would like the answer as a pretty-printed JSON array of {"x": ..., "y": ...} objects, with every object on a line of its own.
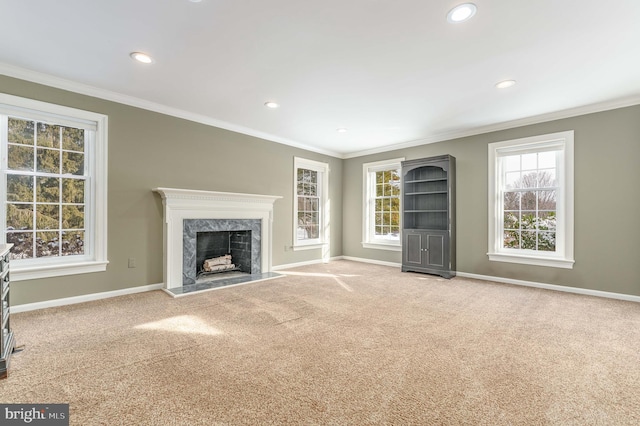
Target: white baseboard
[
  {"x": 373, "y": 261},
  {"x": 566, "y": 289},
  {"x": 141, "y": 289},
  {"x": 84, "y": 298},
  {"x": 554, "y": 287},
  {"x": 308, "y": 262}
]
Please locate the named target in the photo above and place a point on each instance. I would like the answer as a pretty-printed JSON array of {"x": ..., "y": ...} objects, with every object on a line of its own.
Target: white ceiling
[{"x": 393, "y": 72}]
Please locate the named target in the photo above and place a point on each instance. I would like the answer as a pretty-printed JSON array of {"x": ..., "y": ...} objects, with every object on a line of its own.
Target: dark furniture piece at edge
[
  {"x": 7, "y": 343},
  {"x": 428, "y": 216}
]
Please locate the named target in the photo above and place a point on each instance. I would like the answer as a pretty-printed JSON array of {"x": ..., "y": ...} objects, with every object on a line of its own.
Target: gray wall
[
  {"x": 607, "y": 202},
  {"x": 149, "y": 150}
]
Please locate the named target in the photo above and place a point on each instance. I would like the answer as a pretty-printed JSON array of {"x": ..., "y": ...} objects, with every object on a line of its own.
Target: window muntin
[
  {"x": 531, "y": 200},
  {"x": 381, "y": 216},
  {"x": 529, "y": 191},
  {"x": 45, "y": 183},
  {"x": 53, "y": 174},
  {"x": 311, "y": 204},
  {"x": 308, "y": 205}
]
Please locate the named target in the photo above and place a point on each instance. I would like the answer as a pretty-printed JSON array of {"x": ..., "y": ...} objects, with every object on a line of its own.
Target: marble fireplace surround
[{"x": 183, "y": 204}]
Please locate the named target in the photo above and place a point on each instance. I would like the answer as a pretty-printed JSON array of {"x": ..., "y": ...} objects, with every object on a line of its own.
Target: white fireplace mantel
[{"x": 181, "y": 204}]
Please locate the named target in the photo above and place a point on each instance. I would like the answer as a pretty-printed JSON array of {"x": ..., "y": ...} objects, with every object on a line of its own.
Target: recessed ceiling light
[
  {"x": 141, "y": 57},
  {"x": 461, "y": 13},
  {"x": 195, "y": 1},
  {"x": 341, "y": 130},
  {"x": 271, "y": 104},
  {"x": 505, "y": 83}
]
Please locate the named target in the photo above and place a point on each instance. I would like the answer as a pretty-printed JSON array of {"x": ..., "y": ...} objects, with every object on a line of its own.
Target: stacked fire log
[{"x": 218, "y": 264}]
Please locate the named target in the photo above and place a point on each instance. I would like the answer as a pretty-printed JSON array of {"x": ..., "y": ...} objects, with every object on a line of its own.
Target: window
[
  {"x": 381, "y": 205},
  {"x": 53, "y": 175},
  {"x": 531, "y": 200},
  {"x": 310, "y": 209}
]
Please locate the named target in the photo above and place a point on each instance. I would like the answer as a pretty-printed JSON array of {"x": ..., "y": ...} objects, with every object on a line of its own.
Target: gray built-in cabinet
[{"x": 429, "y": 216}]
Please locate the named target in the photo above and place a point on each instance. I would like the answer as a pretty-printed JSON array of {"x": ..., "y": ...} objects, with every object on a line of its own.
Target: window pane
[
  {"x": 48, "y": 161},
  {"x": 73, "y": 163},
  {"x": 529, "y": 180},
  {"x": 512, "y": 201},
  {"x": 512, "y": 163},
  {"x": 546, "y": 200},
  {"x": 511, "y": 239},
  {"x": 511, "y": 221},
  {"x": 395, "y": 230},
  {"x": 19, "y": 217},
  {"x": 395, "y": 219},
  {"x": 547, "y": 178},
  {"x": 19, "y": 188},
  {"x": 379, "y": 190},
  {"x": 72, "y": 191},
  {"x": 528, "y": 240},
  {"x": 22, "y": 245},
  {"x": 379, "y": 219},
  {"x": 312, "y": 189},
  {"x": 315, "y": 204},
  {"x": 530, "y": 161},
  {"x": 313, "y": 232},
  {"x": 547, "y": 241},
  {"x": 20, "y": 131},
  {"x": 528, "y": 220},
  {"x": 47, "y": 216},
  {"x": 20, "y": 157},
  {"x": 47, "y": 244},
  {"x": 48, "y": 135},
  {"x": 72, "y": 243},
  {"x": 547, "y": 221},
  {"x": 47, "y": 190},
  {"x": 379, "y": 230},
  {"x": 72, "y": 217},
  {"x": 512, "y": 180},
  {"x": 378, "y": 205},
  {"x": 73, "y": 139},
  {"x": 547, "y": 160},
  {"x": 528, "y": 200}
]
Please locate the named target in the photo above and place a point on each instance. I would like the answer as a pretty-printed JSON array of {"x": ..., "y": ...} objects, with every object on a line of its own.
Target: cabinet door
[
  {"x": 435, "y": 250},
  {"x": 413, "y": 249}
]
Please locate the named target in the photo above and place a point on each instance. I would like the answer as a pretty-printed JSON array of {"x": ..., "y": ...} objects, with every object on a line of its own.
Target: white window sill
[
  {"x": 308, "y": 246},
  {"x": 47, "y": 271},
  {"x": 383, "y": 246},
  {"x": 553, "y": 262}
]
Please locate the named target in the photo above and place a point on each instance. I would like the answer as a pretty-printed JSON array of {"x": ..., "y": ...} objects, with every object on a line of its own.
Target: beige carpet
[{"x": 342, "y": 343}]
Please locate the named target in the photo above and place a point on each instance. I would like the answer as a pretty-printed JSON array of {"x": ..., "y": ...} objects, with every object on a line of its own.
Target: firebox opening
[{"x": 215, "y": 248}]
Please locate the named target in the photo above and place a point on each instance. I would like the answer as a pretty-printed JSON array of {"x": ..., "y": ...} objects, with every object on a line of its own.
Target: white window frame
[
  {"x": 369, "y": 239},
  {"x": 563, "y": 257},
  {"x": 95, "y": 257},
  {"x": 323, "y": 194}
]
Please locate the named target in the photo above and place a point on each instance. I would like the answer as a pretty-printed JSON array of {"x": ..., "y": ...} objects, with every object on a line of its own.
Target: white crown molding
[
  {"x": 84, "y": 89},
  {"x": 543, "y": 118}
]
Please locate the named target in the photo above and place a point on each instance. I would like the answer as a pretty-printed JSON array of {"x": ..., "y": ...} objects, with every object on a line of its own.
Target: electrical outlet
[{"x": 132, "y": 262}]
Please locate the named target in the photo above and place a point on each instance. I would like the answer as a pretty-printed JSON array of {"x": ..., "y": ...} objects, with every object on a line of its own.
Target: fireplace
[
  {"x": 188, "y": 213},
  {"x": 204, "y": 239},
  {"x": 220, "y": 252}
]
